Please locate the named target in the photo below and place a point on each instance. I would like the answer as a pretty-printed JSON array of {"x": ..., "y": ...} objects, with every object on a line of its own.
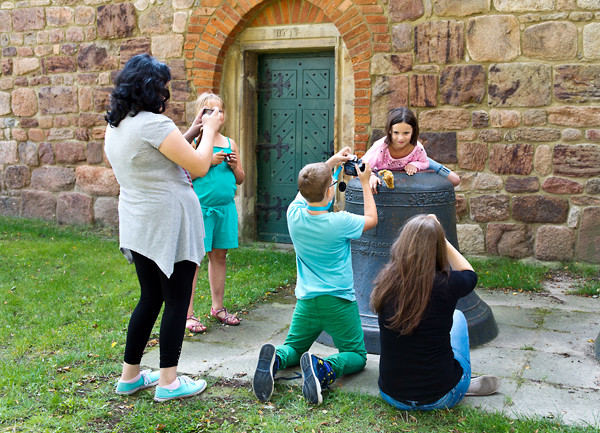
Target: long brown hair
[
  {"x": 406, "y": 281},
  {"x": 402, "y": 115}
]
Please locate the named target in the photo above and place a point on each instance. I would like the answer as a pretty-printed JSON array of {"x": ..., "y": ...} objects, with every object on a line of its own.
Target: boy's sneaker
[
  {"x": 267, "y": 366},
  {"x": 187, "y": 388},
  {"x": 483, "y": 385},
  {"x": 148, "y": 378},
  {"x": 317, "y": 374}
]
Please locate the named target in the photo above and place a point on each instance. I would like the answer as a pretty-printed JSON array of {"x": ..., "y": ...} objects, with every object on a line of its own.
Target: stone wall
[{"x": 506, "y": 92}]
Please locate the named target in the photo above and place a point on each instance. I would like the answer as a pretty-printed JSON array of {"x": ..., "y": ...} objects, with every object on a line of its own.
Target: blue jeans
[
  {"x": 459, "y": 340},
  {"x": 438, "y": 168}
]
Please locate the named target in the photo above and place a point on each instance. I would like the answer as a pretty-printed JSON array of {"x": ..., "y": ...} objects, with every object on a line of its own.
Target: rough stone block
[
  {"x": 69, "y": 152},
  {"x": 470, "y": 239},
  {"x": 390, "y": 64},
  {"x": 388, "y": 92},
  {"x": 570, "y": 134},
  {"x": 487, "y": 181},
  {"x": 504, "y": 118},
  {"x": 53, "y": 178},
  {"x": 452, "y": 118},
  {"x": 84, "y": 15},
  {"x": 10, "y": 206},
  {"x": 460, "y": 8},
  {"x": 5, "y": 103},
  {"x": 74, "y": 208},
  {"x": 588, "y": 248},
  {"x": 24, "y": 102},
  {"x": 38, "y": 204},
  {"x": 23, "y": 66},
  {"x": 534, "y": 117},
  {"x": 95, "y": 180},
  {"x": 58, "y": 99},
  {"x": 481, "y": 119},
  {"x": 493, "y": 38},
  {"x": 439, "y": 42},
  {"x": 406, "y": 10},
  {"x": 423, "y": 90},
  {"x": 59, "y": 16},
  {"x": 519, "y": 85},
  {"x": 461, "y": 205},
  {"x": 522, "y": 184},
  {"x": 574, "y": 116},
  {"x": 5, "y": 21},
  {"x": 543, "y": 160},
  {"x": 486, "y": 208},
  {"x": 156, "y": 20},
  {"x": 585, "y": 200},
  {"x": 554, "y": 243},
  {"x": 92, "y": 57},
  {"x": 8, "y": 152},
  {"x": 462, "y": 84},
  {"x": 167, "y": 46},
  {"x": 592, "y": 186},
  {"x": 540, "y": 209},
  {"x": 577, "y": 83},
  {"x": 46, "y": 153},
  {"x": 106, "y": 211},
  {"x": 440, "y": 146},
  {"x": 28, "y": 19},
  {"x": 176, "y": 112},
  {"x": 510, "y": 240},
  {"x": 28, "y": 153},
  {"x": 95, "y": 152},
  {"x": 116, "y": 20},
  {"x": 16, "y": 176},
  {"x": 511, "y": 158},
  {"x": 557, "y": 185},
  {"x": 591, "y": 41},
  {"x": 573, "y": 218},
  {"x": 472, "y": 156},
  {"x": 533, "y": 134},
  {"x": 577, "y": 160},
  {"x": 60, "y": 64},
  {"x": 524, "y": 5},
  {"x": 180, "y": 90},
  {"x": 402, "y": 38},
  {"x": 554, "y": 40}
]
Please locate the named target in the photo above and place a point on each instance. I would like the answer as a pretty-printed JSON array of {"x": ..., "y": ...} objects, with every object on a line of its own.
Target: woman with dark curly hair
[{"x": 160, "y": 221}]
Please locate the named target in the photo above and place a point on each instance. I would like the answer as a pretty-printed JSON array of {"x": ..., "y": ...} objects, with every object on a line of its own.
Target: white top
[{"x": 159, "y": 213}]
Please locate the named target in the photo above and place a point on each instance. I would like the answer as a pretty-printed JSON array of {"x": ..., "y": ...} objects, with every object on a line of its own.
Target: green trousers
[{"x": 336, "y": 316}]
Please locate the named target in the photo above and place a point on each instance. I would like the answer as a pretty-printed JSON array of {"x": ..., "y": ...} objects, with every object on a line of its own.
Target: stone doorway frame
[{"x": 238, "y": 90}]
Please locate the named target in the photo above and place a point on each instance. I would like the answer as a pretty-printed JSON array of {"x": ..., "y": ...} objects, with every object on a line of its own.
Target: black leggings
[{"x": 156, "y": 288}]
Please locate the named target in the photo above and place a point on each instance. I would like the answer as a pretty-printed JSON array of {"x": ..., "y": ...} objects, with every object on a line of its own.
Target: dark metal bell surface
[{"x": 423, "y": 193}]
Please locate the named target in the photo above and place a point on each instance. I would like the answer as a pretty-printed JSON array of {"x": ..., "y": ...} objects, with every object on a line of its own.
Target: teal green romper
[{"x": 216, "y": 192}]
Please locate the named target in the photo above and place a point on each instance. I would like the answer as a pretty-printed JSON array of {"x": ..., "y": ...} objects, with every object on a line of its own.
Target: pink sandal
[
  {"x": 228, "y": 319},
  {"x": 195, "y": 328}
]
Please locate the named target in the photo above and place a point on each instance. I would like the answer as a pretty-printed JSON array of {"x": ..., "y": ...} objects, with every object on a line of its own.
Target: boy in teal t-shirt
[{"x": 325, "y": 284}]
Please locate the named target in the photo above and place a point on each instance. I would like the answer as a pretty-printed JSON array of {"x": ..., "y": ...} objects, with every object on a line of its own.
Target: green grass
[
  {"x": 508, "y": 274},
  {"x": 66, "y": 295},
  {"x": 588, "y": 281}
]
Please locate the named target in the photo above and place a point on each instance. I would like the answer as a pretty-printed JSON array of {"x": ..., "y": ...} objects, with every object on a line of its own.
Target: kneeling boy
[{"x": 325, "y": 284}]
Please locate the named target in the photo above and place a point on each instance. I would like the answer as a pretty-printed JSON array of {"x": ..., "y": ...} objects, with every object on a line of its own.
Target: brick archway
[{"x": 214, "y": 27}]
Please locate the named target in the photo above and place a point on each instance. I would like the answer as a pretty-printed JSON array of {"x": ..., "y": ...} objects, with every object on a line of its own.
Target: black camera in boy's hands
[{"x": 350, "y": 167}]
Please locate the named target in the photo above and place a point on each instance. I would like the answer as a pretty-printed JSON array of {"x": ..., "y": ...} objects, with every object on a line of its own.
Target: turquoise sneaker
[
  {"x": 187, "y": 388},
  {"x": 149, "y": 378}
]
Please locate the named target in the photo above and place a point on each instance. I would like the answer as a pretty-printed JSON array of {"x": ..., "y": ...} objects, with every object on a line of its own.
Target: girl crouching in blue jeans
[{"x": 425, "y": 362}]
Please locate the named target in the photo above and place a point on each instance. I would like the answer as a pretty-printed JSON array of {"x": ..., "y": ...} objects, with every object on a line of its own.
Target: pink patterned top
[{"x": 380, "y": 159}]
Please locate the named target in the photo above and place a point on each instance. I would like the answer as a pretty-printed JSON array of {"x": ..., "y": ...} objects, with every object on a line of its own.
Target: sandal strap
[{"x": 229, "y": 319}]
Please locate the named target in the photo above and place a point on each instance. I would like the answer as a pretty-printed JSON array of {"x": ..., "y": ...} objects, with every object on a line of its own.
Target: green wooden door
[{"x": 295, "y": 127}]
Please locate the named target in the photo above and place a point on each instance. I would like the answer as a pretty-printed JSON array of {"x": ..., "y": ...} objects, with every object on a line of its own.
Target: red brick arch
[{"x": 214, "y": 26}]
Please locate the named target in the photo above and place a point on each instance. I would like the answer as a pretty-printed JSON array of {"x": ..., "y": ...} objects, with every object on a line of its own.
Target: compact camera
[
  {"x": 227, "y": 157},
  {"x": 350, "y": 168},
  {"x": 207, "y": 111}
]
